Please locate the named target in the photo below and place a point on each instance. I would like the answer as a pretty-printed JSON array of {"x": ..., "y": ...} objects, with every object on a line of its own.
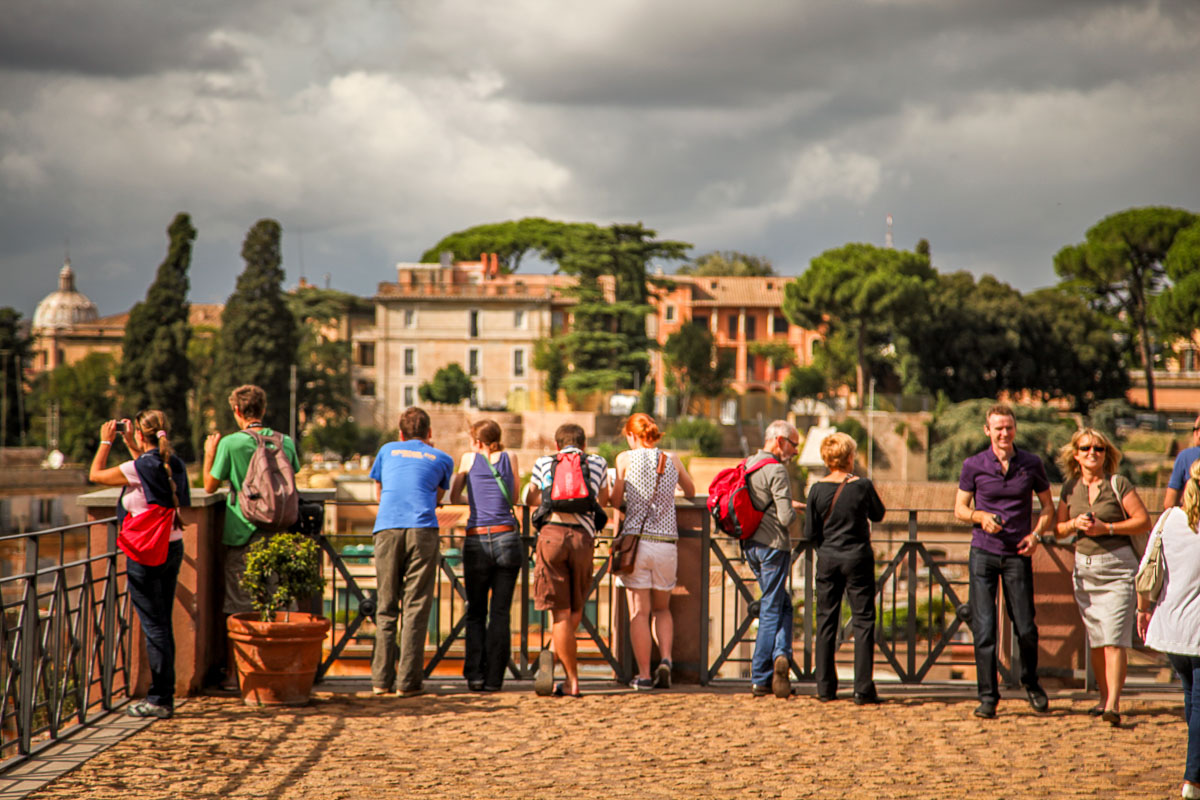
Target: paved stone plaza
[{"x": 691, "y": 742}]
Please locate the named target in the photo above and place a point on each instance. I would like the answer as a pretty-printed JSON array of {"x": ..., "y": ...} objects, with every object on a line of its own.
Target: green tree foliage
[
  {"x": 804, "y": 382},
  {"x": 693, "y": 366},
  {"x": 550, "y": 357},
  {"x": 1119, "y": 268},
  {"x": 323, "y": 350},
  {"x": 14, "y": 358},
  {"x": 728, "y": 262},
  {"x": 207, "y": 398},
  {"x": 957, "y": 432},
  {"x": 861, "y": 290},
  {"x": 607, "y": 345},
  {"x": 1178, "y": 309},
  {"x": 511, "y": 241},
  {"x": 258, "y": 331},
  {"x": 156, "y": 342},
  {"x": 344, "y": 437},
  {"x": 85, "y": 397},
  {"x": 978, "y": 339},
  {"x": 450, "y": 385}
]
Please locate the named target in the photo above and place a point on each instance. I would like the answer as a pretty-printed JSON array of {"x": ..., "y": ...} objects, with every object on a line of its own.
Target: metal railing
[
  {"x": 921, "y": 606},
  {"x": 65, "y": 636}
]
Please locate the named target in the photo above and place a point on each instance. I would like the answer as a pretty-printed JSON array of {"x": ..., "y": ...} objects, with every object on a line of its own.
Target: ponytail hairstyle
[
  {"x": 642, "y": 426},
  {"x": 487, "y": 433},
  {"x": 154, "y": 427},
  {"x": 1191, "y": 494}
]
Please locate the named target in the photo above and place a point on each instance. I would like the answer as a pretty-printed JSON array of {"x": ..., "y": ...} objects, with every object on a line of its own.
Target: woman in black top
[{"x": 836, "y": 520}]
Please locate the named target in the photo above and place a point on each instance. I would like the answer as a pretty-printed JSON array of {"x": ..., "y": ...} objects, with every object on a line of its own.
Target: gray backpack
[{"x": 268, "y": 497}]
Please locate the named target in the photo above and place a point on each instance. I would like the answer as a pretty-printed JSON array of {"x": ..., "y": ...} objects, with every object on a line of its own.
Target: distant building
[
  {"x": 467, "y": 313},
  {"x": 1177, "y": 386},
  {"x": 67, "y": 327},
  {"x": 739, "y": 311}
]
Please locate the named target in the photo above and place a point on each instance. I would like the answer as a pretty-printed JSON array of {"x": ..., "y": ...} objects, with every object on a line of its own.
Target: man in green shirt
[{"x": 227, "y": 459}]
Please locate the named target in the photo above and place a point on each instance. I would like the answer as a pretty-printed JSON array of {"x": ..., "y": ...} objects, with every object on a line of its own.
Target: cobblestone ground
[{"x": 684, "y": 743}]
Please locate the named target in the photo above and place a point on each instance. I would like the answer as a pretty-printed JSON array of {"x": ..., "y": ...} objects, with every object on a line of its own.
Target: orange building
[{"x": 739, "y": 312}]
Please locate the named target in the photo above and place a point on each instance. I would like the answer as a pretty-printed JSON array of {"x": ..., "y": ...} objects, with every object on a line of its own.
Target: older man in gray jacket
[{"x": 769, "y": 554}]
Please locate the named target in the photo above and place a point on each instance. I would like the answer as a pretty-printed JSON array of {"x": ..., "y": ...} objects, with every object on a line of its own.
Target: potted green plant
[{"x": 278, "y": 651}]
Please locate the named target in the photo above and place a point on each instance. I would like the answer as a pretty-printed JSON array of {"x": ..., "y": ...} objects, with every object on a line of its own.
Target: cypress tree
[
  {"x": 153, "y": 371},
  {"x": 258, "y": 331}
]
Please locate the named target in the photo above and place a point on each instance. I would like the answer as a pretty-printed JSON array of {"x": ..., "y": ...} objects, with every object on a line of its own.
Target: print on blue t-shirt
[{"x": 410, "y": 473}]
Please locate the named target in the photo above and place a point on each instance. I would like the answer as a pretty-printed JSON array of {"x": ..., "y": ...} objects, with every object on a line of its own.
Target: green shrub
[
  {"x": 280, "y": 569},
  {"x": 705, "y": 433},
  {"x": 932, "y": 619}
]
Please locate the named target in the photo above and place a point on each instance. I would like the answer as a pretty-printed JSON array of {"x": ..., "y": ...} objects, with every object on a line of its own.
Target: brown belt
[{"x": 486, "y": 529}]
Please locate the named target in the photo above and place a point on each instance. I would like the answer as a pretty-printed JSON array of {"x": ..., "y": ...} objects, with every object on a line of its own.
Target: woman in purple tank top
[{"x": 492, "y": 554}]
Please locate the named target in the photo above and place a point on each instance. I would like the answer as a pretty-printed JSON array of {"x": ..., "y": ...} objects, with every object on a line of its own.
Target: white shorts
[{"x": 654, "y": 568}]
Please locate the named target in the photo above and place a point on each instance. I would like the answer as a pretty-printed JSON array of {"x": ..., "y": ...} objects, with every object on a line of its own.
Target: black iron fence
[
  {"x": 921, "y": 605},
  {"x": 65, "y": 638}
]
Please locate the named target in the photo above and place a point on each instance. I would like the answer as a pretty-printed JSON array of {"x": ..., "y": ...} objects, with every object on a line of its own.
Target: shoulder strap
[
  {"x": 499, "y": 481},
  {"x": 1112, "y": 480},
  {"x": 765, "y": 462},
  {"x": 836, "y": 495}
]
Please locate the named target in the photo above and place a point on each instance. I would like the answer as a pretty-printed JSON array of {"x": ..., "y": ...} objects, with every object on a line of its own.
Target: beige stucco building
[{"x": 464, "y": 313}]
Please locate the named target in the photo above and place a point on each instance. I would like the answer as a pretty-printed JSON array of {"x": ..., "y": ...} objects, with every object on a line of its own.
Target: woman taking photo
[
  {"x": 838, "y": 520},
  {"x": 492, "y": 554},
  {"x": 645, "y": 483},
  {"x": 150, "y": 534},
  {"x": 1172, "y": 626},
  {"x": 1105, "y": 511}
]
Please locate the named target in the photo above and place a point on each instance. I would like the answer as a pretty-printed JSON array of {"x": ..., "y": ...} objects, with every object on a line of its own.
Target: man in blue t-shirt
[
  {"x": 1183, "y": 466},
  {"x": 996, "y": 488},
  {"x": 410, "y": 476}
]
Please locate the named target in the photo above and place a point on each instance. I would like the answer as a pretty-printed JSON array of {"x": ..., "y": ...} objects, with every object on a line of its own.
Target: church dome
[{"x": 66, "y": 307}]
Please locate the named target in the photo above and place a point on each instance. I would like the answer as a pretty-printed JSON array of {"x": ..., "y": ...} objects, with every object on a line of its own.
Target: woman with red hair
[{"x": 645, "y": 483}]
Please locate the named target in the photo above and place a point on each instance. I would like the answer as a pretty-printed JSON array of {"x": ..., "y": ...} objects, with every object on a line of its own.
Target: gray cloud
[{"x": 1000, "y": 131}]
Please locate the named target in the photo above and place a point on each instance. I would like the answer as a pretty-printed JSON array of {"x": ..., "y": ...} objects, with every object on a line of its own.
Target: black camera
[{"x": 120, "y": 426}]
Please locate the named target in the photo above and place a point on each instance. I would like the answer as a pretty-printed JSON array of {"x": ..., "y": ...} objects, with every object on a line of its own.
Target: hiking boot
[{"x": 781, "y": 682}]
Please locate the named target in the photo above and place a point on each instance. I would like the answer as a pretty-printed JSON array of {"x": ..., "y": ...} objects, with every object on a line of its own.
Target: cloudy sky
[{"x": 998, "y": 130}]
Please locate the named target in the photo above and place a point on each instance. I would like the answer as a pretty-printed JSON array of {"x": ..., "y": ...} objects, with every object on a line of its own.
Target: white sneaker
[{"x": 1190, "y": 790}]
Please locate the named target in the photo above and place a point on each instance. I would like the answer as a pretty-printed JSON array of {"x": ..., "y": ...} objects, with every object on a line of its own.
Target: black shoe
[
  {"x": 662, "y": 675},
  {"x": 760, "y": 691},
  {"x": 871, "y": 699},
  {"x": 1037, "y": 699},
  {"x": 475, "y": 686},
  {"x": 827, "y": 698},
  {"x": 487, "y": 688},
  {"x": 986, "y": 710}
]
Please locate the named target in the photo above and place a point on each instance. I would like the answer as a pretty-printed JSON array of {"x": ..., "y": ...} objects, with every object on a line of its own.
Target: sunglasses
[
  {"x": 795, "y": 444},
  {"x": 1097, "y": 448}
]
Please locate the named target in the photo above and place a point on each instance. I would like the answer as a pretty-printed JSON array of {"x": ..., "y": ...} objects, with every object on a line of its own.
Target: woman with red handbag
[
  {"x": 645, "y": 482},
  {"x": 151, "y": 536}
]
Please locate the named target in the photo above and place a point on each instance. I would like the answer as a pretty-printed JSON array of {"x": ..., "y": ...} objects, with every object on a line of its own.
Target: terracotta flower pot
[{"x": 277, "y": 661}]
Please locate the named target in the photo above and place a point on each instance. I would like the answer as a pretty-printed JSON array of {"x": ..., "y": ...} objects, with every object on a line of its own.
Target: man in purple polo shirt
[{"x": 995, "y": 493}]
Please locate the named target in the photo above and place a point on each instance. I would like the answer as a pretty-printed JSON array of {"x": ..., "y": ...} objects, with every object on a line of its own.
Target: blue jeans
[
  {"x": 491, "y": 565},
  {"x": 1016, "y": 572},
  {"x": 1188, "y": 668},
  {"x": 152, "y": 592},
  {"x": 771, "y": 567}
]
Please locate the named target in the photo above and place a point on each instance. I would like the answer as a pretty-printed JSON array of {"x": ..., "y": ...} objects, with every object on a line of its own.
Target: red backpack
[
  {"x": 730, "y": 503},
  {"x": 569, "y": 491}
]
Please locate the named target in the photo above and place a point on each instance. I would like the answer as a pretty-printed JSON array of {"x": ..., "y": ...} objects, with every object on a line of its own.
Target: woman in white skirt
[
  {"x": 1105, "y": 511},
  {"x": 649, "y": 499}
]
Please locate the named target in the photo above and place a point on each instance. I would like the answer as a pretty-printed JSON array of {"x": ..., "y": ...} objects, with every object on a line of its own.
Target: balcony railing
[{"x": 65, "y": 638}]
